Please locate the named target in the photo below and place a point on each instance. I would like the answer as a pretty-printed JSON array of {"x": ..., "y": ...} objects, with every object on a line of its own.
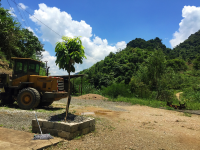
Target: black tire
[
  {"x": 28, "y": 98},
  {"x": 38, "y": 95},
  {"x": 7, "y": 99},
  {"x": 42, "y": 104}
]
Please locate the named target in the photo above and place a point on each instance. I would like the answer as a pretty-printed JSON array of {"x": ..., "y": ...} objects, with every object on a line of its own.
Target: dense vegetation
[
  {"x": 16, "y": 41},
  {"x": 148, "y": 70}
]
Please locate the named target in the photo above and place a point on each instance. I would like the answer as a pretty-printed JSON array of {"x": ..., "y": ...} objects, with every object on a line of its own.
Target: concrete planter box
[{"x": 62, "y": 129}]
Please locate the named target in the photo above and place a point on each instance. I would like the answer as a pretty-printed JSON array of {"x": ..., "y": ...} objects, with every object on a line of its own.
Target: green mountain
[
  {"x": 189, "y": 49},
  {"x": 124, "y": 64}
]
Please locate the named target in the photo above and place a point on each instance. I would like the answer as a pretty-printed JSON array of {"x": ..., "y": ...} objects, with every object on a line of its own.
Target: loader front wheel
[{"x": 28, "y": 98}]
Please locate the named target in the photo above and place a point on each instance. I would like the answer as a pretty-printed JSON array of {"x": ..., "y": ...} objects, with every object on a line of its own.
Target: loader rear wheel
[{"x": 28, "y": 98}]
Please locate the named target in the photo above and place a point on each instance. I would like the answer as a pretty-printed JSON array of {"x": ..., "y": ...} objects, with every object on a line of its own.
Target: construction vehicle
[{"x": 28, "y": 88}]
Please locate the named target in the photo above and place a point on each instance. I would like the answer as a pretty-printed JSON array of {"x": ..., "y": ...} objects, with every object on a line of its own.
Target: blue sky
[{"x": 106, "y": 25}]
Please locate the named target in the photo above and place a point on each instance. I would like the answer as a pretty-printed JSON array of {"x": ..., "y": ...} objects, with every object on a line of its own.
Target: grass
[
  {"x": 134, "y": 101},
  {"x": 78, "y": 137},
  {"x": 147, "y": 102},
  {"x": 187, "y": 114}
]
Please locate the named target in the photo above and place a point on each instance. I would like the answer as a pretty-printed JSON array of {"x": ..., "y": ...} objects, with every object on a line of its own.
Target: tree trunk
[{"x": 69, "y": 97}]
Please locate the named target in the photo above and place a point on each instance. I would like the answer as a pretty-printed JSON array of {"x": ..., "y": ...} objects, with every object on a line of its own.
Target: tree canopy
[
  {"x": 16, "y": 41},
  {"x": 70, "y": 48}
]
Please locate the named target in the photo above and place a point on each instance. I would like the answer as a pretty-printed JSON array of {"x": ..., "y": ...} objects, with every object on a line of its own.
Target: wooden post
[
  {"x": 73, "y": 85},
  {"x": 79, "y": 89},
  {"x": 81, "y": 84}
]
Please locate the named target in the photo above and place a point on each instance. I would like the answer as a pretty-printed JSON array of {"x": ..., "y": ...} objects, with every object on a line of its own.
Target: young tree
[{"x": 69, "y": 52}]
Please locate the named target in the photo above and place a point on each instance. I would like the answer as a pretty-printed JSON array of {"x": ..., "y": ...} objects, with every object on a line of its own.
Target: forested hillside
[
  {"x": 189, "y": 49},
  {"x": 16, "y": 41},
  {"x": 149, "y": 69}
]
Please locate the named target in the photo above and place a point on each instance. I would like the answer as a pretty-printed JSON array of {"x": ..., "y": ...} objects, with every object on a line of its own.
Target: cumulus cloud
[
  {"x": 30, "y": 29},
  {"x": 22, "y": 6},
  {"x": 11, "y": 11},
  {"x": 121, "y": 45},
  {"x": 54, "y": 69},
  {"x": 62, "y": 23},
  {"x": 188, "y": 25}
]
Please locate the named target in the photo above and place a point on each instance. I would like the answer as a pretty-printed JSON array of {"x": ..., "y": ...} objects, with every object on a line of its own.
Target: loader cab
[{"x": 25, "y": 66}]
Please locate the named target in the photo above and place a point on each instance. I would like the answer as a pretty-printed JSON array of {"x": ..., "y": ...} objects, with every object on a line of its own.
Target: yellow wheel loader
[{"x": 28, "y": 88}]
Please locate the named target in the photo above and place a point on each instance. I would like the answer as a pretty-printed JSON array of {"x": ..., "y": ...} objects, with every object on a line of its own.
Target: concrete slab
[{"x": 13, "y": 140}]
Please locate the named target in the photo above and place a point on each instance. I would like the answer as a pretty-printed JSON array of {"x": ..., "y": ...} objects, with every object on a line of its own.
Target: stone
[
  {"x": 35, "y": 129},
  {"x": 86, "y": 130},
  {"x": 66, "y": 135},
  {"x": 92, "y": 122},
  {"x": 35, "y": 123},
  {"x": 53, "y": 132},
  {"x": 84, "y": 124},
  {"x": 77, "y": 133},
  {"x": 68, "y": 127},
  {"x": 44, "y": 131},
  {"x": 58, "y": 125},
  {"x": 92, "y": 128},
  {"x": 48, "y": 124}
]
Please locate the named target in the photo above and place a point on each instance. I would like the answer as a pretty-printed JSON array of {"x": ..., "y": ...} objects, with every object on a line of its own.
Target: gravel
[
  {"x": 97, "y": 103},
  {"x": 22, "y": 119}
]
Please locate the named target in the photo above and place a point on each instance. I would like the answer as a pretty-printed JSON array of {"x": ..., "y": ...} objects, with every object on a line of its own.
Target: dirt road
[{"x": 140, "y": 127}]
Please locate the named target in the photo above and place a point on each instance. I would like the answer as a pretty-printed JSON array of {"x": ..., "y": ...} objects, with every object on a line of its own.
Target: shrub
[
  {"x": 166, "y": 95},
  {"x": 116, "y": 89}
]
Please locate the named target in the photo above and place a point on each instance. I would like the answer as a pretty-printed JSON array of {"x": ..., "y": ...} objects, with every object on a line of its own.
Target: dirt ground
[{"x": 140, "y": 127}]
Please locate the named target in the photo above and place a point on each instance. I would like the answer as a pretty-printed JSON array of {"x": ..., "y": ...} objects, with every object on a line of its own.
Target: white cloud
[
  {"x": 51, "y": 62},
  {"x": 22, "y": 6},
  {"x": 11, "y": 11},
  {"x": 188, "y": 25},
  {"x": 30, "y": 29},
  {"x": 121, "y": 45},
  {"x": 37, "y": 30},
  {"x": 54, "y": 69},
  {"x": 63, "y": 24}
]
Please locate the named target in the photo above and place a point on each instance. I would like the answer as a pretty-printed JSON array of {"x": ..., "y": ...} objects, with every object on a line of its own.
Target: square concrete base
[{"x": 62, "y": 129}]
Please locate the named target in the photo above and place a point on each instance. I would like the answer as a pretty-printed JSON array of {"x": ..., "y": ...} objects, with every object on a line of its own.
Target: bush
[
  {"x": 166, "y": 95},
  {"x": 177, "y": 64},
  {"x": 192, "y": 94},
  {"x": 116, "y": 89}
]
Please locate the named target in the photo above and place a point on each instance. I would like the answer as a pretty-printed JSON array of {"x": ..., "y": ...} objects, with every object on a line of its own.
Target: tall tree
[
  {"x": 10, "y": 33},
  {"x": 156, "y": 66},
  {"x": 30, "y": 45},
  {"x": 69, "y": 52}
]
